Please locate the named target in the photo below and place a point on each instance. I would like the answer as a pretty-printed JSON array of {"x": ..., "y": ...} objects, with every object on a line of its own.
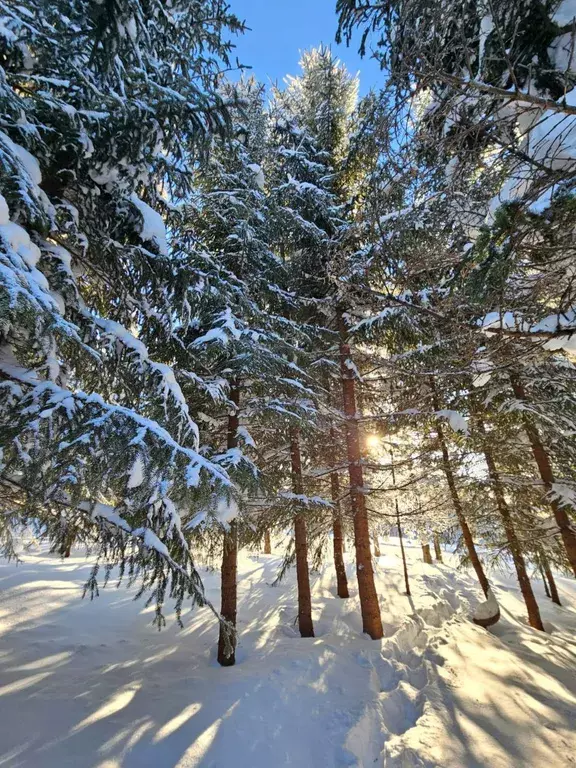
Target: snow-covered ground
[{"x": 94, "y": 684}]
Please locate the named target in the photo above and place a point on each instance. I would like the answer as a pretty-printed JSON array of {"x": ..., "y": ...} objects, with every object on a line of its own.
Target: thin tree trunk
[
  {"x": 544, "y": 581},
  {"x": 552, "y": 584},
  {"x": 267, "y": 543},
  {"x": 399, "y": 526},
  {"x": 426, "y": 554},
  {"x": 338, "y": 539},
  {"x": 545, "y": 468},
  {"x": 534, "y": 618},
  {"x": 66, "y": 548},
  {"x": 404, "y": 564},
  {"x": 377, "y": 552},
  {"x": 466, "y": 533},
  {"x": 369, "y": 605},
  {"x": 437, "y": 549},
  {"x": 300, "y": 542},
  {"x": 228, "y": 606}
]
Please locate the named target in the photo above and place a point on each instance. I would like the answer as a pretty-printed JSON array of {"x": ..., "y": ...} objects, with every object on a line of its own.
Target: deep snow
[{"x": 94, "y": 684}]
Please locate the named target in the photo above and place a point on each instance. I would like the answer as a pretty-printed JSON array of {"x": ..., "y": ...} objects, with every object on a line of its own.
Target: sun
[{"x": 373, "y": 442}]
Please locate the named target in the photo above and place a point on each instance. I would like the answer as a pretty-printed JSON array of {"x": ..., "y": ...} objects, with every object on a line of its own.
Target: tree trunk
[
  {"x": 227, "y": 658},
  {"x": 369, "y": 605},
  {"x": 377, "y": 552},
  {"x": 300, "y": 542},
  {"x": 552, "y": 584},
  {"x": 228, "y": 606},
  {"x": 466, "y": 533},
  {"x": 544, "y": 581},
  {"x": 426, "y": 554},
  {"x": 267, "y": 543},
  {"x": 404, "y": 564},
  {"x": 545, "y": 468},
  {"x": 437, "y": 550},
  {"x": 338, "y": 540},
  {"x": 399, "y": 526},
  {"x": 534, "y": 618},
  {"x": 67, "y": 544}
]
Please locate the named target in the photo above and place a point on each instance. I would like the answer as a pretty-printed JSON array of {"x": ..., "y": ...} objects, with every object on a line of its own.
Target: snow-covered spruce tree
[
  {"x": 306, "y": 217},
  {"x": 239, "y": 327},
  {"x": 321, "y": 102},
  {"x": 104, "y": 108},
  {"x": 494, "y": 87}
]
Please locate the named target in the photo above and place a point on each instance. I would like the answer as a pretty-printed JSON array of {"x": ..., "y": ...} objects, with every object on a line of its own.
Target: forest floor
[{"x": 96, "y": 685}]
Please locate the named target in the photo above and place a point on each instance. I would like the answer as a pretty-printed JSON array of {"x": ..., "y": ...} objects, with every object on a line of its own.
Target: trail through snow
[{"x": 94, "y": 685}]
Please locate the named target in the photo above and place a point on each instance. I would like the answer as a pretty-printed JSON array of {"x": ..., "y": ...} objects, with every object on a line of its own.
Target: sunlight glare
[{"x": 373, "y": 442}]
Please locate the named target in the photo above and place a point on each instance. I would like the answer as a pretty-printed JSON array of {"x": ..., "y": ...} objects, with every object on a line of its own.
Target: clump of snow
[
  {"x": 226, "y": 510},
  {"x": 25, "y": 158},
  {"x": 244, "y": 435},
  {"x": 482, "y": 379},
  {"x": 258, "y": 174},
  {"x": 20, "y": 242},
  {"x": 153, "y": 228},
  {"x": 136, "y": 477},
  {"x": 456, "y": 420},
  {"x": 486, "y": 27},
  {"x": 488, "y": 609},
  {"x": 4, "y": 212}
]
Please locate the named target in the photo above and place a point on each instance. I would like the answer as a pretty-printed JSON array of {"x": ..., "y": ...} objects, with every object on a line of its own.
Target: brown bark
[
  {"x": 534, "y": 618},
  {"x": 267, "y": 543},
  {"x": 377, "y": 552},
  {"x": 305, "y": 624},
  {"x": 404, "y": 563},
  {"x": 466, "y": 533},
  {"x": 67, "y": 545},
  {"x": 369, "y": 605},
  {"x": 426, "y": 554},
  {"x": 399, "y": 526},
  {"x": 547, "y": 475},
  {"x": 338, "y": 539},
  {"x": 437, "y": 549},
  {"x": 551, "y": 583},
  {"x": 228, "y": 605},
  {"x": 545, "y": 582}
]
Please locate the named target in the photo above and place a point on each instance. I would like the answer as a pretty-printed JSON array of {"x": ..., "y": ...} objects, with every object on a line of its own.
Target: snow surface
[{"x": 94, "y": 685}]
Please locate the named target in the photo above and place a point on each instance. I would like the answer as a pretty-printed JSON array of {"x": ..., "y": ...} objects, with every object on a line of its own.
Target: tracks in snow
[{"x": 402, "y": 676}]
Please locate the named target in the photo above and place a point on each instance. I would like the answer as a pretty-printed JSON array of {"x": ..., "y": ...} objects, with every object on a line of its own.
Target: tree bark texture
[
  {"x": 369, "y": 605},
  {"x": 437, "y": 549},
  {"x": 338, "y": 538},
  {"x": 305, "y": 624},
  {"x": 229, "y": 568}
]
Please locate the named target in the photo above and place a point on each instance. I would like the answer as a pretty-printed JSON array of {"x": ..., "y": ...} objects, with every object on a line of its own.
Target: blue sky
[{"x": 280, "y": 29}]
